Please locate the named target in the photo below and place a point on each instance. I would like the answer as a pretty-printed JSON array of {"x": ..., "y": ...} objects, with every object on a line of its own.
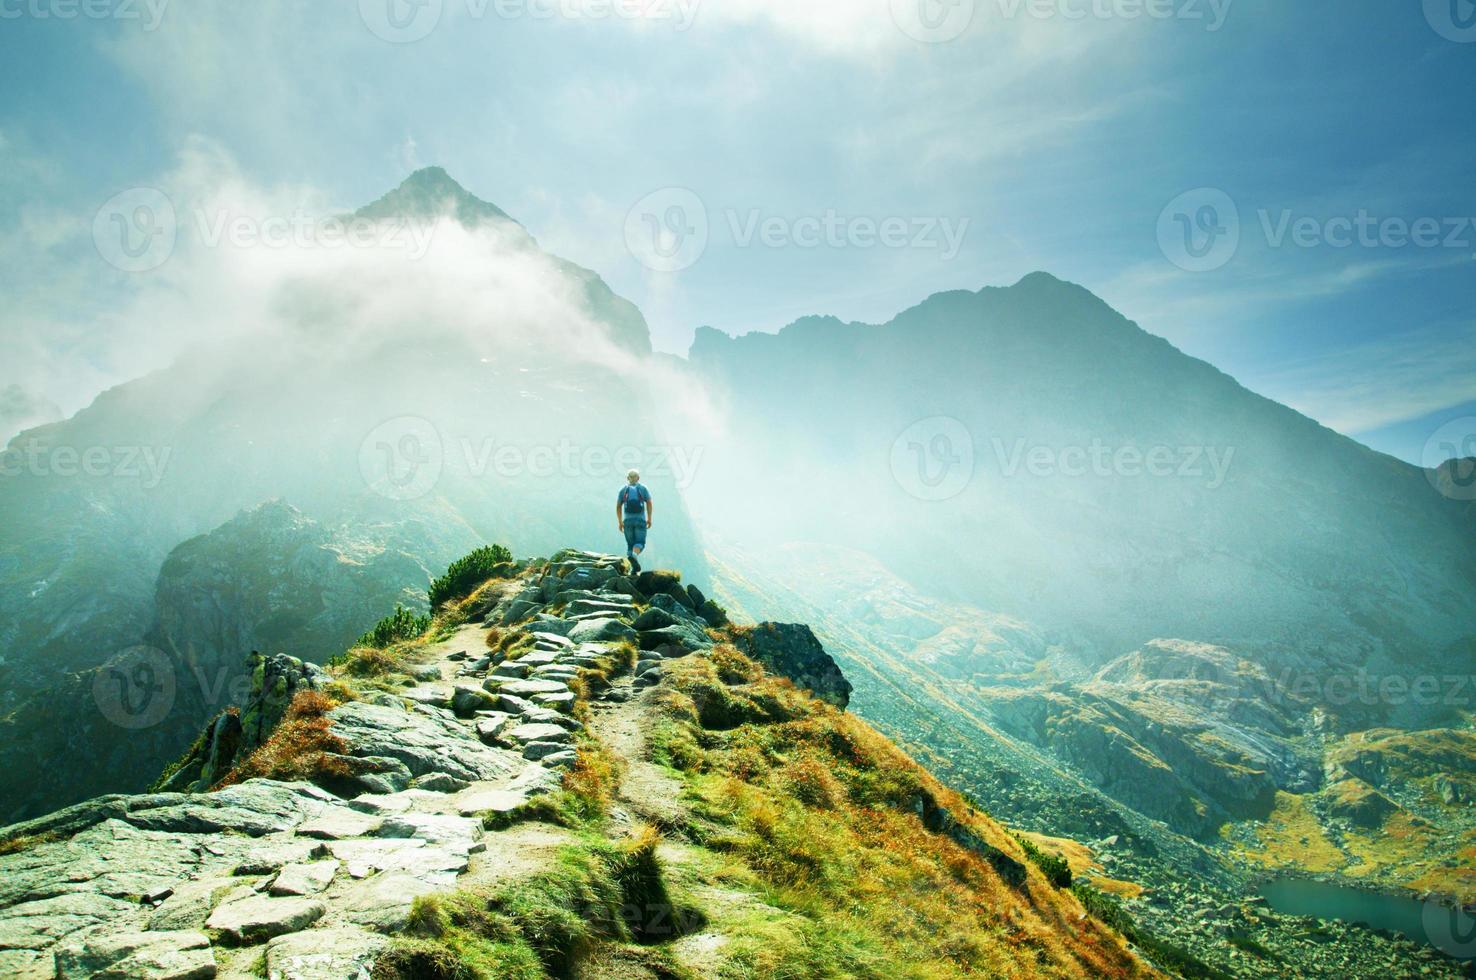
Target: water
[{"x": 1452, "y": 931}]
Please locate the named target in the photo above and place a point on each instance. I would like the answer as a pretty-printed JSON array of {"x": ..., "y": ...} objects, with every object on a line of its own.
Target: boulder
[
  {"x": 304, "y": 879},
  {"x": 137, "y": 956},
  {"x": 324, "y": 954},
  {"x": 791, "y": 650},
  {"x": 261, "y": 917},
  {"x": 601, "y": 631}
]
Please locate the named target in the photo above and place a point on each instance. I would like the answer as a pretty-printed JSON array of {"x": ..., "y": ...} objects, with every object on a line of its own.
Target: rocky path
[
  {"x": 291, "y": 880},
  {"x": 646, "y": 792}
]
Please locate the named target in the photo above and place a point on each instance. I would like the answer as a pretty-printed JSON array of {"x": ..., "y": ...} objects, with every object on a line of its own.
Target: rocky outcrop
[
  {"x": 792, "y": 651},
  {"x": 237, "y": 732}
]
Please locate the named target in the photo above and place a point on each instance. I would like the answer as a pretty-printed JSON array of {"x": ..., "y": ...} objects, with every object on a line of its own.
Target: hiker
[{"x": 633, "y": 511}]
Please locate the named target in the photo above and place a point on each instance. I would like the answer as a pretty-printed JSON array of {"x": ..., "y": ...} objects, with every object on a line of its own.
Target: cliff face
[{"x": 572, "y": 771}]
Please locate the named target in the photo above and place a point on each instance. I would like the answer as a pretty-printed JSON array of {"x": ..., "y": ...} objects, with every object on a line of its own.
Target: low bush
[
  {"x": 397, "y": 627},
  {"x": 466, "y": 574}
]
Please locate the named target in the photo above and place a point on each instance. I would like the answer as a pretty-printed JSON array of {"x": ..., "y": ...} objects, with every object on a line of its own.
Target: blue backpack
[{"x": 634, "y": 499}]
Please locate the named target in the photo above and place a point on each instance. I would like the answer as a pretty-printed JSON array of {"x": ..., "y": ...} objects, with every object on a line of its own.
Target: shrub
[
  {"x": 1053, "y": 866},
  {"x": 396, "y": 628},
  {"x": 465, "y": 574},
  {"x": 302, "y": 749}
]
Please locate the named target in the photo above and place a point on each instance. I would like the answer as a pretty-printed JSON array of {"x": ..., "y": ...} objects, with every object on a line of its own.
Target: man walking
[{"x": 633, "y": 510}]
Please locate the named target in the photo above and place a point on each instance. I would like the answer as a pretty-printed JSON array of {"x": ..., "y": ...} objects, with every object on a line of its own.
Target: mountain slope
[{"x": 415, "y": 813}]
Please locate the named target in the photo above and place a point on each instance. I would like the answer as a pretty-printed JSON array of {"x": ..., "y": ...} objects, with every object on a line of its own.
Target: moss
[{"x": 16, "y": 845}]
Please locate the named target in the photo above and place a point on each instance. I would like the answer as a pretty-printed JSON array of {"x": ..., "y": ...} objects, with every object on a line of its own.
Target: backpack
[{"x": 635, "y": 500}]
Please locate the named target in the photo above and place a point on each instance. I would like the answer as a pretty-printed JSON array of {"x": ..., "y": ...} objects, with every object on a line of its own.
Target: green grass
[{"x": 596, "y": 898}]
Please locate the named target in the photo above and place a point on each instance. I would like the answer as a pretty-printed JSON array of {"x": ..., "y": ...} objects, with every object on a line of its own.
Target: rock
[
  {"x": 562, "y": 701},
  {"x": 560, "y": 759},
  {"x": 792, "y": 651},
  {"x": 601, "y": 631},
  {"x": 535, "y": 751},
  {"x": 137, "y": 956},
  {"x": 383, "y": 902},
  {"x": 425, "y": 745},
  {"x": 644, "y": 666},
  {"x": 439, "y": 782},
  {"x": 190, "y": 905},
  {"x": 304, "y": 879},
  {"x": 538, "y": 733},
  {"x": 260, "y": 918},
  {"x": 515, "y": 705},
  {"x": 685, "y": 636},
  {"x": 268, "y": 857},
  {"x": 654, "y": 619},
  {"x": 338, "y": 824},
  {"x": 714, "y": 614},
  {"x": 526, "y": 689},
  {"x": 696, "y": 596},
  {"x": 551, "y": 625},
  {"x": 492, "y": 725},
  {"x": 487, "y": 801},
  {"x": 424, "y": 672},
  {"x": 467, "y": 701},
  {"x": 517, "y": 611},
  {"x": 434, "y": 828},
  {"x": 324, "y": 954}
]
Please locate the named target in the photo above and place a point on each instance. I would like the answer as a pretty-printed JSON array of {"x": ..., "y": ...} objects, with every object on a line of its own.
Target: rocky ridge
[{"x": 184, "y": 883}]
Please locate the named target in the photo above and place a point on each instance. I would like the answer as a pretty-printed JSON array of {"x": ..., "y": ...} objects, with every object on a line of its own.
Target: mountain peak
[{"x": 431, "y": 193}]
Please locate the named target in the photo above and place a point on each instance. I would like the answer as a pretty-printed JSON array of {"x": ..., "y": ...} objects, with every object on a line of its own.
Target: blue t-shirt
[{"x": 633, "y": 499}]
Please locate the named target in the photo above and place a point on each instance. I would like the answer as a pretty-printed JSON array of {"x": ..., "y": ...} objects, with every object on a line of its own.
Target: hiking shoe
[{"x": 635, "y": 565}]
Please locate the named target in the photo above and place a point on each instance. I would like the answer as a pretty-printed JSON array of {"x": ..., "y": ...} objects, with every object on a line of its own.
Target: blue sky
[{"x": 1046, "y": 139}]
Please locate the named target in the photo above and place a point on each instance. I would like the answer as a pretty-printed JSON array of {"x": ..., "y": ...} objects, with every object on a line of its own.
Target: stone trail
[{"x": 184, "y": 885}]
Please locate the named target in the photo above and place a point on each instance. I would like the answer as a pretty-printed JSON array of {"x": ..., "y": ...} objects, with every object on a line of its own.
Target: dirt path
[{"x": 646, "y": 791}]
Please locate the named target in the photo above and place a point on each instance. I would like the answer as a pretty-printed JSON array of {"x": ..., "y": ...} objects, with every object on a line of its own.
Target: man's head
[{"x": 633, "y": 477}]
